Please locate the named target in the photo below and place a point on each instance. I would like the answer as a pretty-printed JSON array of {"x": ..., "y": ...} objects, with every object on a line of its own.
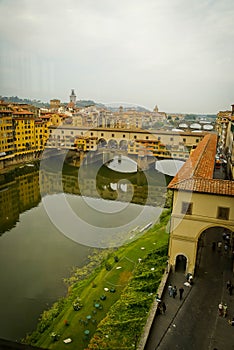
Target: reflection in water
[
  {"x": 169, "y": 166},
  {"x": 123, "y": 164},
  {"x": 21, "y": 191}
]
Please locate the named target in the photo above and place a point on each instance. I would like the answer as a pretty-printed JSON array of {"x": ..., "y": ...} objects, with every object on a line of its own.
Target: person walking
[
  {"x": 163, "y": 307},
  {"x": 181, "y": 291},
  {"x": 174, "y": 292},
  {"x": 170, "y": 290},
  {"x": 190, "y": 280},
  {"x": 220, "y": 309},
  {"x": 228, "y": 284},
  {"x": 219, "y": 246},
  {"x": 225, "y": 310}
]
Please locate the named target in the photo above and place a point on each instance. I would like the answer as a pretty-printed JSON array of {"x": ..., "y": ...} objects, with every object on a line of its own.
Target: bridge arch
[
  {"x": 123, "y": 145},
  {"x": 102, "y": 143},
  {"x": 112, "y": 143}
]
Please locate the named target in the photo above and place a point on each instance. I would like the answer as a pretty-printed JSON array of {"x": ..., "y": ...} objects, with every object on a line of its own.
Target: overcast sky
[{"x": 178, "y": 54}]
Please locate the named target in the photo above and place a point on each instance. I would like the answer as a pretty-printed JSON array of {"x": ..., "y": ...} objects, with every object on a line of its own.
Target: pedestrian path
[
  {"x": 176, "y": 326},
  {"x": 163, "y": 322}
]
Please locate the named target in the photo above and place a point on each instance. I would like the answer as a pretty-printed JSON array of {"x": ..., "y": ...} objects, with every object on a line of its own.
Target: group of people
[
  {"x": 173, "y": 291},
  {"x": 161, "y": 309},
  {"x": 222, "y": 307},
  {"x": 225, "y": 243}
]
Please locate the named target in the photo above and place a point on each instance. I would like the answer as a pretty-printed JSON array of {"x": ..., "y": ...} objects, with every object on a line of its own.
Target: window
[
  {"x": 147, "y": 137},
  {"x": 91, "y": 133},
  {"x": 171, "y": 139},
  {"x": 223, "y": 213},
  {"x": 102, "y": 134},
  {"x": 186, "y": 208},
  {"x": 135, "y": 137},
  {"x": 123, "y": 136},
  {"x": 113, "y": 135}
]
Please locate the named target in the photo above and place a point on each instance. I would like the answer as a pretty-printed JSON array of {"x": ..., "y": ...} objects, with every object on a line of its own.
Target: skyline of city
[{"x": 149, "y": 53}]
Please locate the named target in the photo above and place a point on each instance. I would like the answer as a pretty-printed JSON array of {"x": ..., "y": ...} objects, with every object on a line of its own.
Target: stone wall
[{"x": 152, "y": 313}]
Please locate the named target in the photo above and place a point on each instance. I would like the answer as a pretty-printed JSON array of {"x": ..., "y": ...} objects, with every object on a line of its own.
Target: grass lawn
[{"x": 68, "y": 323}]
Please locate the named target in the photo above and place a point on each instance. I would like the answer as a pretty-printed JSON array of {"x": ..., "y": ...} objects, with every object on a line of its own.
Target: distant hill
[
  {"x": 41, "y": 104},
  {"x": 16, "y": 99},
  {"x": 81, "y": 103},
  {"x": 88, "y": 103},
  {"x": 114, "y": 107}
]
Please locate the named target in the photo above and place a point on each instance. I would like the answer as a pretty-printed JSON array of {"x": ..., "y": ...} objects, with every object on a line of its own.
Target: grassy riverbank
[{"x": 114, "y": 292}]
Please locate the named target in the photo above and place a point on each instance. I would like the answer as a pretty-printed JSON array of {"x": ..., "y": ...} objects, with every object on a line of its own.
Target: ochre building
[{"x": 200, "y": 202}]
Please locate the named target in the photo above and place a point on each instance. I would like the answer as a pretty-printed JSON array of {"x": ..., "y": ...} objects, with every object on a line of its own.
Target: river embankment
[{"x": 113, "y": 294}]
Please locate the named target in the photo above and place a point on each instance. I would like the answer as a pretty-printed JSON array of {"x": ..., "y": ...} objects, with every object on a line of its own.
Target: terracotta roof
[
  {"x": 22, "y": 113},
  {"x": 197, "y": 173},
  {"x": 5, "y": 111}
]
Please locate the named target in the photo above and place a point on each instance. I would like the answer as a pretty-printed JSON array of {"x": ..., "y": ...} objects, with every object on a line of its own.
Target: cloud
[{"x": 145, "y": 51}]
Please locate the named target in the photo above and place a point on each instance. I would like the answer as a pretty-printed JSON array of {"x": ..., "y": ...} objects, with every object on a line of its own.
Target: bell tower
[{"x": 73, "y": 97}]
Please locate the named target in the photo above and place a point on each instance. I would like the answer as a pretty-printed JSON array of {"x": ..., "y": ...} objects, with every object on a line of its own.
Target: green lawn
[{"x": 114, "y": 273}]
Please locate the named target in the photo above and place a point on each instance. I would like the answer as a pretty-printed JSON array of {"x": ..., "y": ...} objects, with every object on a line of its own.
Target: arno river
[{"x": 51, "y": 219}]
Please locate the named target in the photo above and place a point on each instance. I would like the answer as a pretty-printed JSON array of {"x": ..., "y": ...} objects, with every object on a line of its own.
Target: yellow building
[
  {"x": 30, "y": 134},
  {"x": 200, "y": 202},
  {"x": 54, "y": 119},
  {"x": 24, "y": 140},
  {"x": 41, "y": 134},
  {"x": 6, "y": 132}
]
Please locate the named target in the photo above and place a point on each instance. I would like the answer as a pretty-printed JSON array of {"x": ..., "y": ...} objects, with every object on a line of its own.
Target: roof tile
[{"x": 197, "y": 173}]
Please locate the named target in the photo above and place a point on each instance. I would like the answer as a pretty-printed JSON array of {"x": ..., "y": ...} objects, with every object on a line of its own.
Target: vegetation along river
[{"x": 52, "y": 220}]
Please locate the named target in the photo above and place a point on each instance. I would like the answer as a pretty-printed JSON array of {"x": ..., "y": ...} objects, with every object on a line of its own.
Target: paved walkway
[
  {"x": 194, "y": 322},
  {"x": 162, "y": 323}
]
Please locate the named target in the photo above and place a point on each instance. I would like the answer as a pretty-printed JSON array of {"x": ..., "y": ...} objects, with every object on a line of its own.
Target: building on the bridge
[
  {"x": 136, "y": 142},
  {"x": 200, "y": 202}
]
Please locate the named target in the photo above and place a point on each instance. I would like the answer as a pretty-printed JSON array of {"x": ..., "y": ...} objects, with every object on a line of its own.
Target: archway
[
  {"x": 112, "y": 144},
  {"x": 215, "y": 244},
  {"x": 102, "y": 143},
  {"x": 181, "y": 263},
  {"x": 123, "y": 145}
]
